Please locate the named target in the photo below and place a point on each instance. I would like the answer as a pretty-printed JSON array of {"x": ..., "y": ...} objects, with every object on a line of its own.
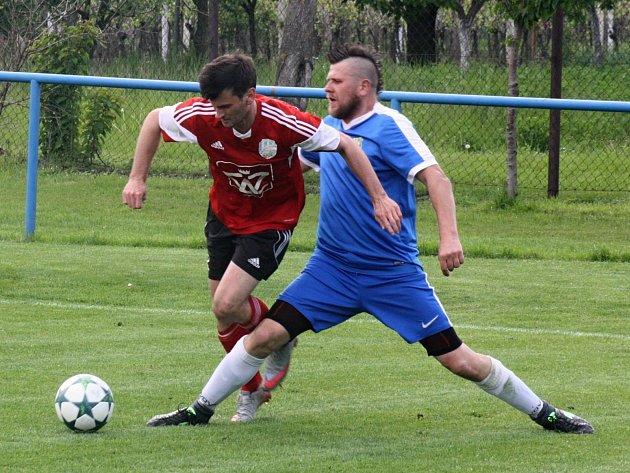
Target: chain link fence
[{"x": 420, "y": 53}]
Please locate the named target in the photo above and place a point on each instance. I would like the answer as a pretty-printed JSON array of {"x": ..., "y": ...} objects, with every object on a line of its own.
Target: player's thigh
[
  {"x": 234, "y": 288},
  {"x": 323, "y": 293},
  {"x": 405, "y": 302}
]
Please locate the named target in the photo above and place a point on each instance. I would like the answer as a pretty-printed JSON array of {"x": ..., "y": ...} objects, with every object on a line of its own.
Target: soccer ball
[{"x": 84, "y": 403}]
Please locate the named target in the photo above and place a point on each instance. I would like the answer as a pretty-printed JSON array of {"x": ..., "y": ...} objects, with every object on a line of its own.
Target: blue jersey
[{"x": 347, "y": 229}]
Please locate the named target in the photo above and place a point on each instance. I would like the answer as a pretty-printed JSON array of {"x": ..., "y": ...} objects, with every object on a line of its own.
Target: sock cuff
[
  {"x": 223, "y": 334},
  {"x": 258, "y": 310},
  {"x": 239, "y": 350},
  {"x": 497, "y": 377}
]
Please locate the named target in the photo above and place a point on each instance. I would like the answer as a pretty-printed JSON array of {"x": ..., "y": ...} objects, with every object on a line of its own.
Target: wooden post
[{"x": 553, "y": 173}]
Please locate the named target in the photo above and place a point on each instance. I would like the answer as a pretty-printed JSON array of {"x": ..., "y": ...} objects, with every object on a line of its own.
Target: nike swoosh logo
[{"x": 429, "y": 322}]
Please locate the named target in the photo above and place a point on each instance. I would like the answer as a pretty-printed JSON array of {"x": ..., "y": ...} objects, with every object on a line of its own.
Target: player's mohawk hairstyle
[{"x": 347, "y": 51}]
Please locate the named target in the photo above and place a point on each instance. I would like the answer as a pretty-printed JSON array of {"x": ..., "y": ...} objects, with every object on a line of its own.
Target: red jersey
[{"x": 257, "y": 178}]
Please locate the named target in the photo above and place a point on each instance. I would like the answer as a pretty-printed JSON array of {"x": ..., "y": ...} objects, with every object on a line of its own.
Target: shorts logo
[
  {"x": 267, "y": 148},
  {"x": 255, "y": 262},
  {"x": 253, "y": 181},
  {"x": 429, "y": 322}
]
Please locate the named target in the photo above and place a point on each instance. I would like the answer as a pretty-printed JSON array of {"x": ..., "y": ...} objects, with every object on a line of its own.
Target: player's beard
[{"x": 347, "y": 111}]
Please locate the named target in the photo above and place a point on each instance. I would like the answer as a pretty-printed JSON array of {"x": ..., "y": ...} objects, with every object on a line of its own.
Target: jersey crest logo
[
  {"x": 358, "y": 140},
  {"x": 253, "y": 181},
  {"x": 267, "y": 148}
]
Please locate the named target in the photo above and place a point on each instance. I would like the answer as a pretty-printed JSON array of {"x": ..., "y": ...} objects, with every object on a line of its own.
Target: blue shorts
[{"x": 328, "y": 293}]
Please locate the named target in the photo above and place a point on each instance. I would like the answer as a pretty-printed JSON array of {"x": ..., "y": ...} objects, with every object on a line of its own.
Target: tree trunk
[
  {"x": 421, "y": 41},
  {"x": 513, "y": 35},
  {"x": 213, "y": 29},
  {"x": 164, "y": 32},
  {"x": 596, "y": 35},
  {"x": 395, "y": 46},
  {"x": 295, "y": 61},
  {"x": 283, "y": 6},
  {"x": 250, "y": 9},
  {"x": 610, "y": 32},
  {"x": 201, "y": 35},
  {"x": 553, "y": 174},
  {"x": 463, "y": 34},
  {"x": 464, "y": 27},
  {"x": 177, "y": 27}
]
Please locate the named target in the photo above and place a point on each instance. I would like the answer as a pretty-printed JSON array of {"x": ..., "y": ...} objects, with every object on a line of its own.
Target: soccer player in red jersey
[{"x": 256, "y": 197}]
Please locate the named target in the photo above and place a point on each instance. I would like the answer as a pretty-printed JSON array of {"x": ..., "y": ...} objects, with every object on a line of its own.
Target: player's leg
[
  {"x": 236, "y": 368},
  {"x": 238, "y": 313},
  {"x": 235, "y": 309},
  {"x": 239, "y": 365},
  {"x": 282, "y": 324},
  {"x": 408, "y": 304},
  {"x": 321, "y": 297},
  {"x": 256, "y": 257},
  {"x": 490, "y": 375}
]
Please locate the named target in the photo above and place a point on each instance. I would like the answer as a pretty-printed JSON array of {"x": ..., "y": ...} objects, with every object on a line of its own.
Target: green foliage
[
  {"x": 526, "y": 14},
  {"x": 101, "y": 107},
  {"x": 75, "y": 121},
  {"x": 533, "y": 130},
  {"x": 64, "y": 52}
]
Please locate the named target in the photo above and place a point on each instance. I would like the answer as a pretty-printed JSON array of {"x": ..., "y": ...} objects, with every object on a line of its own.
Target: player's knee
[
  {"x": 265, "y": 340},
  {"x": 464, "y": 363},
  {"x": 458, "y": 366},
  {"x": 226, "y": 311}
]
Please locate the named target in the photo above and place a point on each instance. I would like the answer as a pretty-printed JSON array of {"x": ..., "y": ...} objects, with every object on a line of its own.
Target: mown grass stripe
[{"x": 157, "y": 310}]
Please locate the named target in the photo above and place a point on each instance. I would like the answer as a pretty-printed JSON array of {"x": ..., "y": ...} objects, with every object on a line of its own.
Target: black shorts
[{"x": 258, "y": 254}]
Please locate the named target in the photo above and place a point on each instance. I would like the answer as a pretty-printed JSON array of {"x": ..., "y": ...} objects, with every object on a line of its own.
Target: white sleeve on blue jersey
[{"x": 404, "y": 142}]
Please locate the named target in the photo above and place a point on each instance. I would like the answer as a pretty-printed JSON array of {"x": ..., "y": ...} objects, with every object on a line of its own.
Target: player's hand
[
  {"x": 134, "y": 193},
  {"x": 388, "y": 214},
  {"x": 450, "y": 256}
]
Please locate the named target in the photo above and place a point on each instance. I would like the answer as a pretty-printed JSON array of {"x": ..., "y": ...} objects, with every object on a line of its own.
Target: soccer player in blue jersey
[{"x": 358, "y": 267}]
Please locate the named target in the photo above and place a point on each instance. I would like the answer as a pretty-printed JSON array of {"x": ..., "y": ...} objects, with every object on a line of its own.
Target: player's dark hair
[
  {"x": 235, "y": 72},
  {"x": 347, "y": 51}
]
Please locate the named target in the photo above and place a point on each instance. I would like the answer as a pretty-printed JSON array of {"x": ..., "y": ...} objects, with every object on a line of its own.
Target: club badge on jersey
[{"x": 267, "y": 148}]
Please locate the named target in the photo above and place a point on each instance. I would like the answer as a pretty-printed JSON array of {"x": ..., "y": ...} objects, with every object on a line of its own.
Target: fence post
[
  {"x": 33, "y": 159},
  {"x": 553, "y": 173}
]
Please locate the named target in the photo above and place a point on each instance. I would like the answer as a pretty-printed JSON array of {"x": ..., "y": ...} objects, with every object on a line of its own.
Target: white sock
[
  {"x": 236, "y": 368},
  {"x": 504, "y": 384}
]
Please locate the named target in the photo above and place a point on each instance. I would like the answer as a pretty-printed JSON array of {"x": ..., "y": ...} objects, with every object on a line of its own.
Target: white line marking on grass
[
  {"x": 157, "y": 310},
  {"x": 566, "y": 333},
  {"x": 105, "y": 308}
]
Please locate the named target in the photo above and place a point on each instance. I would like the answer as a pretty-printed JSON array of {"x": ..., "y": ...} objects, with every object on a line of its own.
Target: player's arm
[
  {"x": 450, "y": 254},
  {"x": 386, "y": 211},
  {"x": 149, "y": 138}
]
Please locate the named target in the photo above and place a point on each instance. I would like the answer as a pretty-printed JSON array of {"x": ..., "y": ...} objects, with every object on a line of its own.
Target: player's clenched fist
[{"x": 134, "y": 194}]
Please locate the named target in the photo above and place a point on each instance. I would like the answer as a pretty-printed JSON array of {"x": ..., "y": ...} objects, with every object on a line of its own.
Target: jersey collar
[
  {"x": 242, "y": 136},
  {"x": 357, "y": 120}
]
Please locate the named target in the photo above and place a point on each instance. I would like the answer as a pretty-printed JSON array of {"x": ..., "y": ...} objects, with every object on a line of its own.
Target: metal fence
[{"x": 468, "y": 139}]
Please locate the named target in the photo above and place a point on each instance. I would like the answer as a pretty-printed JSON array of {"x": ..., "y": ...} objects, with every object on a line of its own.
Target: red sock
[{"x": 235, "y": 332}]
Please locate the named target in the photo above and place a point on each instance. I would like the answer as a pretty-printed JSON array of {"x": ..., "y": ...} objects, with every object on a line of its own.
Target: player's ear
[
  {"x": 250, "y": 95},
  {"x": 365, "y": 86}
]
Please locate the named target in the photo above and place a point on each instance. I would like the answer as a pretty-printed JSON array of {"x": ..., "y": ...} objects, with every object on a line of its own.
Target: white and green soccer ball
[{"x": 84, "y": 403}]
